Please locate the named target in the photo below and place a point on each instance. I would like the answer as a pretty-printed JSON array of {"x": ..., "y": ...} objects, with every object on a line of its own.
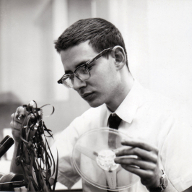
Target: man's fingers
[
  {"x": 137, "y": 163},
  {"x": 21, "y": 111},
  {"x": 15, "y": 120},
  {"x": 18, "y": 117},
  {"x": 140, "y": 172},
  {"x": 139, "y": 144},
  {"x": 140, "y": 153},
  {"x": 146, "y": 163},
  {"x": 15, "y": 125},
  {"x": 15, "y": 117}
]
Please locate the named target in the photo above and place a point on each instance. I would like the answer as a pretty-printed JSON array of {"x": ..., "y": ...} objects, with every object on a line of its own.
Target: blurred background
[{"x": 158, "y": 37}]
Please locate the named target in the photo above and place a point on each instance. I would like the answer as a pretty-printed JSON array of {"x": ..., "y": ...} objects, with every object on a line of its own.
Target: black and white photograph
[{"x": 96, "y": 95}]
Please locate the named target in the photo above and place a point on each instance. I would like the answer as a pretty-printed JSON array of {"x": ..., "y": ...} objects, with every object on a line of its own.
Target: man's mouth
[{"x": 87, "y": 96}]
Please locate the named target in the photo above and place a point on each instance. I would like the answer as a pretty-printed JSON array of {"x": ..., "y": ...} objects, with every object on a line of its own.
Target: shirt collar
[{"x": 130, "y": 104}]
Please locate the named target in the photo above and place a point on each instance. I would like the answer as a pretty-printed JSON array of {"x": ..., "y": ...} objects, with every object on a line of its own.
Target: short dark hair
[{"x": 101, "y": 35}]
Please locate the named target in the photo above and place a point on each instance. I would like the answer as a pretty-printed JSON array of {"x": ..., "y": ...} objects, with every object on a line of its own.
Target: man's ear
[{"x": 120, "y": 57}]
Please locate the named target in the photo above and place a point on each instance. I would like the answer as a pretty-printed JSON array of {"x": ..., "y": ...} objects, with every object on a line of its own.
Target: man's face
[{"x": 102, "y": 86}]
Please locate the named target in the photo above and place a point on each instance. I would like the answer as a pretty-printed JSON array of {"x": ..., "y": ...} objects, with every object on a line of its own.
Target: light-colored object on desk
[
  {"x": 105, "y": 160},
  {"x": 20, "y": 189}
]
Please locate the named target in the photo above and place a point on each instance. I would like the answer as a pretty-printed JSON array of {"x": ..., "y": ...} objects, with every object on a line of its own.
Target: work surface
[{"x": 5, "y": 166}]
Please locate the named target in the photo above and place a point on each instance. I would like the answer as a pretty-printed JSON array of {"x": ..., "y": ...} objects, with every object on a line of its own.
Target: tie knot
[{"x": 114, "y": 121}]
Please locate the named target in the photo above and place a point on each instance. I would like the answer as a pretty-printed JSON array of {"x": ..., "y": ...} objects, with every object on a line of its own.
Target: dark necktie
[{"x": 113, "y": 122}]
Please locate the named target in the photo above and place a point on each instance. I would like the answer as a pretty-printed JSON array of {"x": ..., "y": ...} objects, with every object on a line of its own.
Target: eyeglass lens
[{"x": 82, "y": 73}]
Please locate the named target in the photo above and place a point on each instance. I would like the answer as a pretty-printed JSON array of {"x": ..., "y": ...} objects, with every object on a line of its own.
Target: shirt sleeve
[
  {"x": 66, "y": 141},
  {"x": 64, "y": 144},
  {"x": 176, "y": 153}
]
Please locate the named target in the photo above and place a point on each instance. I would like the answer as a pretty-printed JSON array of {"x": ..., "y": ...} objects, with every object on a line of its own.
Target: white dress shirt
[{"x": 145, "y": 116}]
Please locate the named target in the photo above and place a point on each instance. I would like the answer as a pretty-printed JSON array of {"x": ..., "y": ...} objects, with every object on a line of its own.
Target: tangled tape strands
[{"x": 34, "y": 154}]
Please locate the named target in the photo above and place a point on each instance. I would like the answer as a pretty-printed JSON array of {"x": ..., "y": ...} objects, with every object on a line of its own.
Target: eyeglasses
[{"x": 82, "y": 72}]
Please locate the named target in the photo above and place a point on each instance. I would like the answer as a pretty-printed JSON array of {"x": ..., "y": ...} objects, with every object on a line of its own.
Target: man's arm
[
  {"x": 146, "y": 165},
  {"x": 14, "y": 167},
  {"x": 17, "y": 119},
  {"x": 17, "y": 122}
]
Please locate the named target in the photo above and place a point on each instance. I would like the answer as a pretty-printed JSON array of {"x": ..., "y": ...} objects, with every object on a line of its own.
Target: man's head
[
  {"x": 100, "y": 33},
  {"x": 94, "y": 58}
]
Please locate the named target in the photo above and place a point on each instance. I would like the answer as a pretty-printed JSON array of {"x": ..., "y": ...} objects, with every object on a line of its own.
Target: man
[{"x": 94, "y": 57}]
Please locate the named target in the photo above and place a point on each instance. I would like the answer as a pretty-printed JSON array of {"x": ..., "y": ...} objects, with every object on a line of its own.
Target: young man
[{"x": 95, "y": 62}]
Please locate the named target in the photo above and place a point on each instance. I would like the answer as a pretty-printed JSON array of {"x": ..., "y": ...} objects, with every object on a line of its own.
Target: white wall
[
  {"x": 170, "y": 48},
  {"x": 22, "y": 63},
  {"x": 158, "y": 39}
]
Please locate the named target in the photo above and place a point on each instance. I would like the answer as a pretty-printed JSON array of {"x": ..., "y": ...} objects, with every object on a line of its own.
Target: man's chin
[{"x": 94, "y": 104}]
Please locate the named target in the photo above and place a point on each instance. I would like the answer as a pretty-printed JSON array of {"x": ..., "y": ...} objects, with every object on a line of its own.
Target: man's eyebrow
[{"x": 79, "y": 64}]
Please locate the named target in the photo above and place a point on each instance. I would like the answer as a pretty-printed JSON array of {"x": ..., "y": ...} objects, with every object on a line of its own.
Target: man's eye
[
  {"x": 71, "y": 76},
  {"x": 82, "y": 69},
  {"x": 90, "y": 66}
]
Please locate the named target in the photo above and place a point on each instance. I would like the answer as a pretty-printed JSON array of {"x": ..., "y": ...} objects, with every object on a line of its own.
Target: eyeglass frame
[{"x": 65, "y": 76}]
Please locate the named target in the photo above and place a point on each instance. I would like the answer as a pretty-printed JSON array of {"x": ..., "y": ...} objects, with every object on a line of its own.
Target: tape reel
[{"x": 93, "y": 158}]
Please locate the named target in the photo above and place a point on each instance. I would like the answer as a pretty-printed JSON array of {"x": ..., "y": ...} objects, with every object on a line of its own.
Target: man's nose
[{"x": 78, "y": 83}]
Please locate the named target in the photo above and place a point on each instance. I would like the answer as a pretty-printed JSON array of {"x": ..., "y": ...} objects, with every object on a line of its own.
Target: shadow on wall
[{"x": 8, "y": 105}]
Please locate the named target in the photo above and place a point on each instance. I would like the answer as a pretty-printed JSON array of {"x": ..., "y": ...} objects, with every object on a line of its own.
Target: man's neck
[{"x": 124, "y": 90}]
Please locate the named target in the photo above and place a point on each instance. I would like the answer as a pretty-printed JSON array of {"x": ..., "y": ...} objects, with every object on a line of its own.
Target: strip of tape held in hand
[{"x": 34, "y": 153}]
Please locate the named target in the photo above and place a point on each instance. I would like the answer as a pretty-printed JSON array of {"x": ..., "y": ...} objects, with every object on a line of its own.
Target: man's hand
[
  {"x": 17, "y": 122},
  {"x": 141, "y": 159}
]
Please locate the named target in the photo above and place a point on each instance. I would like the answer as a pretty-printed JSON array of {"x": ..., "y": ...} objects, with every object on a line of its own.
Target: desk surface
[{"x": 5, "y": 167}]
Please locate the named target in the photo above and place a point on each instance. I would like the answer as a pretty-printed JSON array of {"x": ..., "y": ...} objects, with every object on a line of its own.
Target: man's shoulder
[
  {"x": 163, "y": 104},
  {"x": 90, "y": 116},
  {"x": 150, "y": 98},
  {"x": 159, "y": 100}
]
